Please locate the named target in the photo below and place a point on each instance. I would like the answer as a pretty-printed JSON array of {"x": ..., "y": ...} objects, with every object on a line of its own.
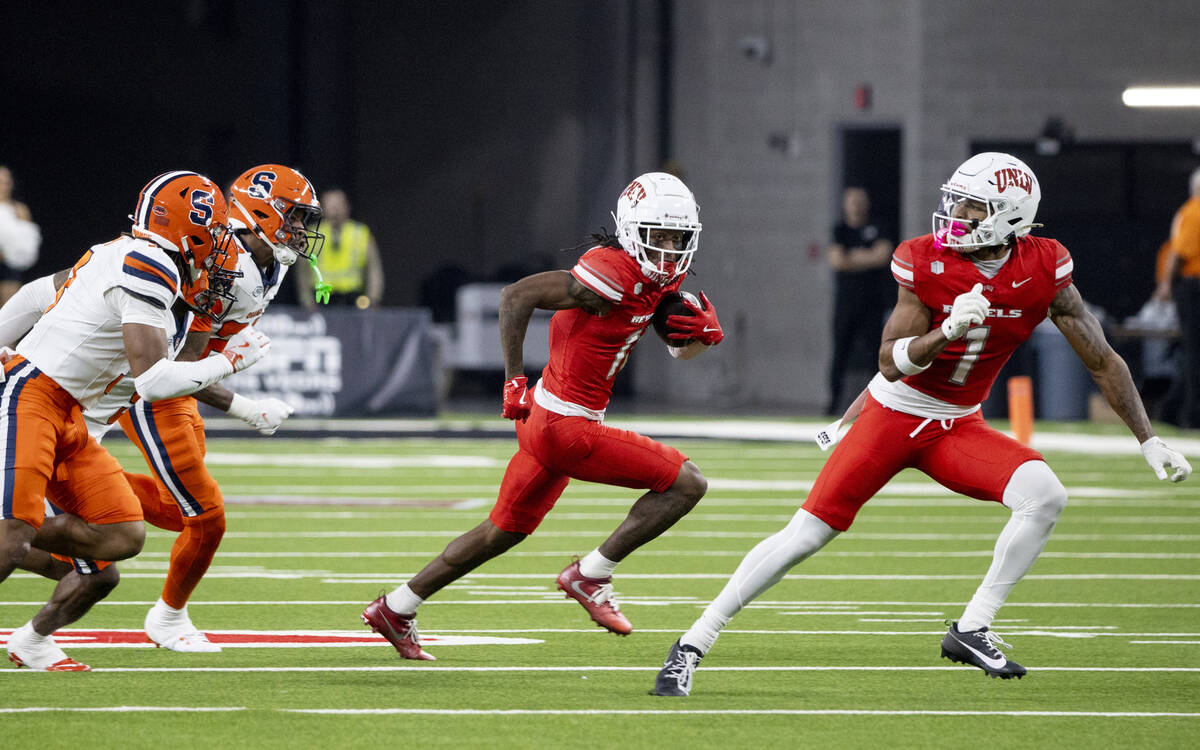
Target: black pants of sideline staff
[
  {"x": 1183, "y": 403},
  {"x": 857, "y": 327}
]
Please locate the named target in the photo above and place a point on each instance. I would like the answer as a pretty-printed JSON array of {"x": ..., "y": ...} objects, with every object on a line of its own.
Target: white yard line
[
  {"x": 420, "y": 668},
  {"x": 728, "y": 712},
  {"x": 116, "y": 709}
]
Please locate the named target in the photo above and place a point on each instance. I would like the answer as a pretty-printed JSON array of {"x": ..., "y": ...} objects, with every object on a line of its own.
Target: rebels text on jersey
[
  {"x": 1019, "y": 296},
  {"x": 587, "y": 351},
  {"x": 252, "y": 292}
]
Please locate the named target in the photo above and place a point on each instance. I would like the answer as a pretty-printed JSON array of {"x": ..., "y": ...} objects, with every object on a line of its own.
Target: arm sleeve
[
  {"x": 24, "y": 309},
  {"x": 168, "y": 379}
]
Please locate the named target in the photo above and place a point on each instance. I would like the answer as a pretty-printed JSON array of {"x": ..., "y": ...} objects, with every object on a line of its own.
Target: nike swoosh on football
[
  {"x": 993, "y": 663},
  {"x": 1019, "y": 283}
]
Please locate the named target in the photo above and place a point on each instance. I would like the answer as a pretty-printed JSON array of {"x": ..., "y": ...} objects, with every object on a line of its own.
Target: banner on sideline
[{"x": 343, "y": 362}]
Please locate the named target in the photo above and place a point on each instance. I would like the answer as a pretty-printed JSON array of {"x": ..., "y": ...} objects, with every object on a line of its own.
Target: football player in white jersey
[
  {"x": 105, "y": 337},
  {"x": 274, "y": 213}
]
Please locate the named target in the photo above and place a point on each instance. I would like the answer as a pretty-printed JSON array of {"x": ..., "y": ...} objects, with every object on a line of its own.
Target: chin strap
[{"x": 321, "y": 290}]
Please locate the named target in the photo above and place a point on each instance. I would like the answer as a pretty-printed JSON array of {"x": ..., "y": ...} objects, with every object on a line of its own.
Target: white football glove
[
  {"x": 1161, "y": 458},
  {"x": 263, "y": 414},
  {"x": 246, "y": 347},
  {"x": 970, "y": 309}
]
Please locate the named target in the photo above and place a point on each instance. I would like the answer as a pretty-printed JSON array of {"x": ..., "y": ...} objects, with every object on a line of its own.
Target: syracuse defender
[
  {"x": 274, "y": 213},
  {"x": 969, "y": 294},
  {"x": 605, "y": 304},
  {"x": 105, "y": 335}
]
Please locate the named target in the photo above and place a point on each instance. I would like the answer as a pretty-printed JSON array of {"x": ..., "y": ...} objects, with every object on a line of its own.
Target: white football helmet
[
  {"x": 662, "y": 201},
  {"x": 1005, "y": 185}
]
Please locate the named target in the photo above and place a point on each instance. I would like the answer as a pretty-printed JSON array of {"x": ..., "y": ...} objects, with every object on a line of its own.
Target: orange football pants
[
  {"x": 180, "y": 495},
  {"x": 49, "y": 454}
]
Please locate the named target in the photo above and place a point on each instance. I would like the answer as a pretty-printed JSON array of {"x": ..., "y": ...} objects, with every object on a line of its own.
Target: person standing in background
[
  {"x": 859, "y": 256},
  {"x": 350, "y": 262},
  {"x": 20, "y": 238},
  {"x": 1181, "y": 282}
]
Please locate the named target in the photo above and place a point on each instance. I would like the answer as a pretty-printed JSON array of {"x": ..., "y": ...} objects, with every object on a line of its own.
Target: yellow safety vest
[{"x": 343, "y": 260}]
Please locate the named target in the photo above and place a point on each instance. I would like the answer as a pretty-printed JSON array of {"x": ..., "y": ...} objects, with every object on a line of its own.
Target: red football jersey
[
  {"x": 1020, "y": 296},
  {"x": 587, "y": 351}
]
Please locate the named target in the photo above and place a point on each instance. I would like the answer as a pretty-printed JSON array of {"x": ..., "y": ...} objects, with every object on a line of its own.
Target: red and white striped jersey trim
[
  {"x": 1063, "y": 267},
  {"x": 597, "y": 282}
]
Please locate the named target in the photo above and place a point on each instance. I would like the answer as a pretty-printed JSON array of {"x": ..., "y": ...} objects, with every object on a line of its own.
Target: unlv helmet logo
[
  {"x": 202, "y": 207},
  {"x": 263, "y": 181},
  {"x": 635, "y": 193},
  {"x": 1011, "y": 177}
]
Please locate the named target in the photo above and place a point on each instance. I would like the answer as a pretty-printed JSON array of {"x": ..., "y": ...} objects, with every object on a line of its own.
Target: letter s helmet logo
[
  {"x": 202, "y": 207},
  {"x": 263, "y": 181}
]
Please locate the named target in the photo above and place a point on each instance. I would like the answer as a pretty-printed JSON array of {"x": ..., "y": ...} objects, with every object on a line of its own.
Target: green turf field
[{"x": 843, "y": 653}]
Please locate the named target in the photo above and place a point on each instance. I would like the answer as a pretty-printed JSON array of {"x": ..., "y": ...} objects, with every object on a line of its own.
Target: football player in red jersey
[
  {"x": 605, "y": 303},
  {"x": 969, "y": 294}
]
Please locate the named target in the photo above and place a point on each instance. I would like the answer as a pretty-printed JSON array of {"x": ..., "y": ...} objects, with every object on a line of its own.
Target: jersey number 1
[
  {"x": 976, "y": 337},
  {"x": 623, "y": 353}
]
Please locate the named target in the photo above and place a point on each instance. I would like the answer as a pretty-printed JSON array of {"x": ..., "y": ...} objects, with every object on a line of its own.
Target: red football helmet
[
  {"x": 185, "y": 213},
  {"x": 279, "y": 205}
]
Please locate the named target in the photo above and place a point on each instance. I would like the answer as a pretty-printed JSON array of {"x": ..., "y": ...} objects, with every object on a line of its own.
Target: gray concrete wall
[{"x": 946, "y": 73}]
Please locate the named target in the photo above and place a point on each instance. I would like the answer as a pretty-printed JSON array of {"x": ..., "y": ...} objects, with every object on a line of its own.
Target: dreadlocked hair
[{"x": 602, "y": 238}]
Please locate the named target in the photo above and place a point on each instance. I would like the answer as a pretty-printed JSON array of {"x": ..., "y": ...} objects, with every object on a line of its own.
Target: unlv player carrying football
[
  {"x": 969, "y": 294},
  {"x": 605, "y": 303}
]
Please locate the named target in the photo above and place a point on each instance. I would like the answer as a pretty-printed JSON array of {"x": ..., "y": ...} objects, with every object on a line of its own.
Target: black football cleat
[
  {"x": 978, "y": 648},
  {"x": 675, "y": 678}
]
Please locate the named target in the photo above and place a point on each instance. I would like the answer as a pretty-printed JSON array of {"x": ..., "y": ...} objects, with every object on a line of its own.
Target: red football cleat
[
  {"x": 596, "y": 596},
  {"x": 399, "y": 630}
]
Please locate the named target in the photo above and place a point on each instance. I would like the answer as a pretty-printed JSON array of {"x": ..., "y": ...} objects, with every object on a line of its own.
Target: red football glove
[
  {"x": 702, "y": 326},
  {"x": 517, "y": 402}
]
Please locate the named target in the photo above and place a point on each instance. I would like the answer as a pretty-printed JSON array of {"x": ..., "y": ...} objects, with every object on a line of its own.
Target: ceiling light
[{"x": 1161, "y": 96}]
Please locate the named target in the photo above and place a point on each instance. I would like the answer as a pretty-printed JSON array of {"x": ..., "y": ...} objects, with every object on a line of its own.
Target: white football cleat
[
  {"x": 39, "y": 652},
  {"x": 172, "y": 629}
]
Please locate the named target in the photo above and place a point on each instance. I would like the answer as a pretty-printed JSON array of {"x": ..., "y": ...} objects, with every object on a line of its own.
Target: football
[{"x": 672, "y": 304}]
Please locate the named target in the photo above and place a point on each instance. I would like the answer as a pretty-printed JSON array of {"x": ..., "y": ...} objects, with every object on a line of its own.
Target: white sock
[
  {"x": 169, "y": 612},
  {"x": 596, "y": 565},
  {"x": 759, "y": 570},
  {"x": 403, "y": 601},
  {"x": 1036, "y": 499},
  {"x": 27, "y": 632}
]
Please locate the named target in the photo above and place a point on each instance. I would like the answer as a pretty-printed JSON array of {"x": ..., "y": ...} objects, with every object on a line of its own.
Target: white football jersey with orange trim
[
  {"x": 79, "y": 342},
  {"x": 253, "y": 291}
]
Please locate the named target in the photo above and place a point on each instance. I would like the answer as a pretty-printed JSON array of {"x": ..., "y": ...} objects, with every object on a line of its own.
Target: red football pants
[
  {"x": 553, "y": 449},
  {"x": 964, "y": 455}
]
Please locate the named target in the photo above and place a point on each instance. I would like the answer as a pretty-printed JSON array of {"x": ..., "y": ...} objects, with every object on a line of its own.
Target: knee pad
[{"x": 1034, "y": 490}]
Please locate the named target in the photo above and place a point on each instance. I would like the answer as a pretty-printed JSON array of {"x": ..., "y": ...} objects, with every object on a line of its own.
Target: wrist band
[{"x": 901, "y": 360}]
